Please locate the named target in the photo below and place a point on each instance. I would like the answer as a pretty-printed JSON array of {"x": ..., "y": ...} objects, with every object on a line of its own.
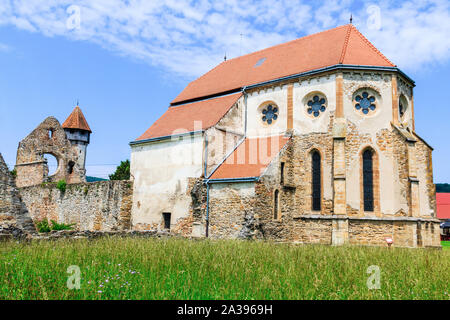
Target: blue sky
[{"x": 126, "y": 60}]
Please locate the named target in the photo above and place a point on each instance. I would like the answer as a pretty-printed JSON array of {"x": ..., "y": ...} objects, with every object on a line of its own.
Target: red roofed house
[
  {"x": 310, "y": 141},
  {"x": 443, "y": 214},
  {"x": 443, "y": 206}
]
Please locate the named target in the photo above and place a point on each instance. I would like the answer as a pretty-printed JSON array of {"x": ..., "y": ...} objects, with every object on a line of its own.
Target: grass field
[{"x": 134, "y": 268}]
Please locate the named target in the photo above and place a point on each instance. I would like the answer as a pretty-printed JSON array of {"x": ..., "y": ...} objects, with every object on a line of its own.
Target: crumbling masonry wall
[
  {"x": 48, "y": 138},
  {"x": 14, "y": 217},
  {"x": 98, "y": 206}
]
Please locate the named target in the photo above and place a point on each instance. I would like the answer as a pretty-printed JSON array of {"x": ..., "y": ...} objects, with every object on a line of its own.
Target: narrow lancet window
[
  {"x": 316, "y": 182},
  {"x": 368, "y": 180},
  {"x": 275, "y": 204}
]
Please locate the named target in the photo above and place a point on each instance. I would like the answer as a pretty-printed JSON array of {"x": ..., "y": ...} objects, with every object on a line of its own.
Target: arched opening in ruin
[
  {"x": 50, "y": 133},
  {"x": 52, "y": 164},
  {"x": 70, "y": 167}
]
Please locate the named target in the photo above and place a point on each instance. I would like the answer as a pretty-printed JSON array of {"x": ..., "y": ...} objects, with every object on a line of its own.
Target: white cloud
[
  {"x": 5, "y": 48},
  {"x": 189, "y": 37}
]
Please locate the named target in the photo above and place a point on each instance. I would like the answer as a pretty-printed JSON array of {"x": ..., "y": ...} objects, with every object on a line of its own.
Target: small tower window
[
  {"x": 368, "y": 180},
  {"x": 316, "y": 182},
  {"x": 316, "y": 105},
  {"x": 282, "y": 173},
  {"x": 270, "y": 114},
  {"x": 166, "y": 217},
  {"x": 365, "y": 102}
]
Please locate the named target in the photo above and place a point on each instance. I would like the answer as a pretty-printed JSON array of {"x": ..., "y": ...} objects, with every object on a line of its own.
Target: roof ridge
[
  {"x": 202, "y": 99},
  {"x": 344, "y": 48},
  {"x": 373, "y": 47},
  {"x": 286, "y": 43}
]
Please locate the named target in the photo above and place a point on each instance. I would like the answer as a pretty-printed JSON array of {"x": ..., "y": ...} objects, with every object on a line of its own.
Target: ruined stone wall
[
  {"x": 98, "y": 206},
  {"x": 14, "y": 217},
  {"x": 425, "y": 175},
  {"x": 48, "y": 138},
  {"x": 231, "y": 210}
]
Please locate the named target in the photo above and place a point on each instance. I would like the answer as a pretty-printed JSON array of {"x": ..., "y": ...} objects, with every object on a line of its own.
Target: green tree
[{"x": 122, "y": 171}]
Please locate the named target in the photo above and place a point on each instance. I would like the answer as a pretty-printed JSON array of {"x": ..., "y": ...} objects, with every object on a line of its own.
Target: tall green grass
[{"x": 133, "y": 268}]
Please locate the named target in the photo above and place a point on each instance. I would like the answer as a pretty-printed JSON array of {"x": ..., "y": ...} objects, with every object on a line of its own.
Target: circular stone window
[
  {"x": 269, "y": 113},
  {"x": 316, "y": 105},
  {"x": 365, "y": 102}
]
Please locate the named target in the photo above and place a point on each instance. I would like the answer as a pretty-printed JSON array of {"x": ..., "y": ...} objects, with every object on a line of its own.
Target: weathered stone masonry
[
  {"x": 14, "y": 217},
  {"x": 98, "y": 206},
  {"x": 48, "y": 138}
]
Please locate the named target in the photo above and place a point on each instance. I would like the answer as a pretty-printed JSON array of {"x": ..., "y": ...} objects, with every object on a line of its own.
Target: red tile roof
[
  {"x": 181, "y": 119},
  {"x": 251, "y": 158},
  {"x": 443, "y": 205},
  {"x": 76, "y": 120},
  {"x": 341, "y": 45}
]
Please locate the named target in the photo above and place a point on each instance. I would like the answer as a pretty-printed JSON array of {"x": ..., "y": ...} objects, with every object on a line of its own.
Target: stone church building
[{"x": 310, "y": 141}]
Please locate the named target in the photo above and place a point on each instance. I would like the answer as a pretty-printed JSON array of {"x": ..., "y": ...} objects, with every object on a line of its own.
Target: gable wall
[{"x": 161, "y": 172}]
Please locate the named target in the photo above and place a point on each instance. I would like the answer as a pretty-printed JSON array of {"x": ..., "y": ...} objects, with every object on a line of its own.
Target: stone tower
[{"x": 78, "y": 132}]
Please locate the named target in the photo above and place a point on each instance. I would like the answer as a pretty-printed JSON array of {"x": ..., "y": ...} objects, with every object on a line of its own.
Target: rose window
[
  {"x": 365, "y": 102},
  {"x": 316, "y": 106},
  {"x": 270, "y": 114}
]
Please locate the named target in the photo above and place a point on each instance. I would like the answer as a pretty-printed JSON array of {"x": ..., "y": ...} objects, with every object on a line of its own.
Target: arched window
[
  {"x": 276, "y": 198},
  {"x": 402, "y": 106},
  {"x": 316, "y": 181},
  {"x": 368, "y": 180}
]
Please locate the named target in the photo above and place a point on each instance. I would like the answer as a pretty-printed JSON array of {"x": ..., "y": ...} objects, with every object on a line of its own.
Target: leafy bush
[
  {"x": 122, "y": 171},
  {"x": 62, "y": 185},
  {"x": 43, "y": 226},
  {"x": 61, "y": 226},
  {"x": 14, "y": 173}
]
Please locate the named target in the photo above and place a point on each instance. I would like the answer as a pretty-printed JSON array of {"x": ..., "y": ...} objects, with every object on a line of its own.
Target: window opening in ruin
[
  {"x": 50, "y": 133},
  {"x": 282, "y": 173},
  {"x": 316, "y": 182},
  {"x": 167, "y": 216},
  {"x": 70, "y": 167},
  {"x": 275, "y": 204},
  {"x": 52, "y": 163}
]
